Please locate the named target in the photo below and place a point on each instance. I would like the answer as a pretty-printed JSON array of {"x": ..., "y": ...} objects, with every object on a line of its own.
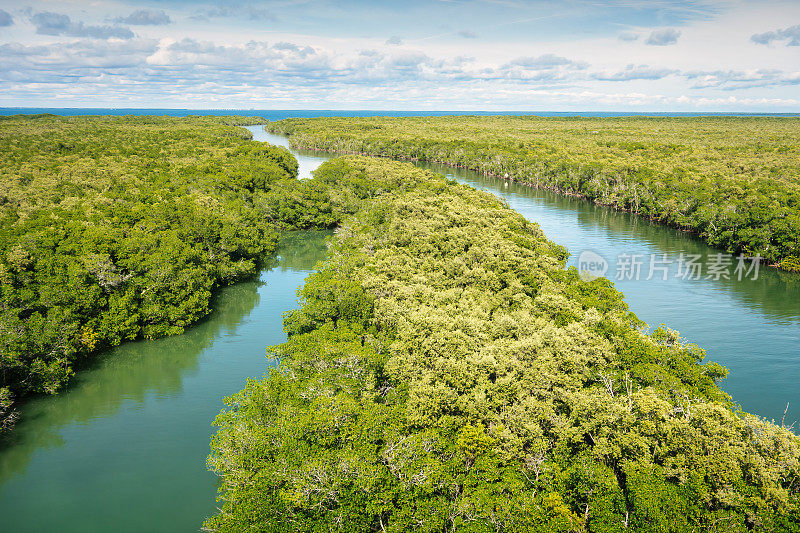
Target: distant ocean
[{"x": 278, "y": 114}]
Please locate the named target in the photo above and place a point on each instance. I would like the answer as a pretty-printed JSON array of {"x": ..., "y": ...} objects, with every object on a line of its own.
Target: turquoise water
[
  {"x": 124, "y": 449},
  {"x": 751, "y": 326}
]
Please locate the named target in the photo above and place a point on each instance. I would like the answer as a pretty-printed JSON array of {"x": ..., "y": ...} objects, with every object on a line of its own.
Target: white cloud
[
  {"x": 331, "y": 57},
  {"x": 634, "y": 72},
  {"x": 743, "y": 79},
  {"x": 145, "y": 17},
  {"x": 663, "y": 37},
  {"x": 791, "y": 35},
  {"x": 545, "y": 62},
  {"x": 49, "y": 23}
]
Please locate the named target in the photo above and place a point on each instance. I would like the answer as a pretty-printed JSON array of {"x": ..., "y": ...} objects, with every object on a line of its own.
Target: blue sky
[{"x": 625, "y": 55}]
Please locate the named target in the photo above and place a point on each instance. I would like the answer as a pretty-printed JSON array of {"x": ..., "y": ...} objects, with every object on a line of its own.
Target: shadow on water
[
  {"x": 124, "y": 447},
  {"x": 774, "y": 292},
  {"x": 127, "y": 373},
  {"x": 751, "y": 326},
  {"x": 299, "y": 252}
]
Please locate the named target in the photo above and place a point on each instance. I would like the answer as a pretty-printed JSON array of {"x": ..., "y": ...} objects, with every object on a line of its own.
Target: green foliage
[
  {"x": 445, "y": 372},
  {"x": 7, "y": 414},
  {"x": 114, "y": 228},
  {"x": 732, "y": 180}
]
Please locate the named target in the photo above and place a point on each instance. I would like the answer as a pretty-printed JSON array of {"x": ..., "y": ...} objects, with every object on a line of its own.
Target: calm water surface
[
  {"x": 751, "y": 326},
  {"x": 124, "y": 449}
]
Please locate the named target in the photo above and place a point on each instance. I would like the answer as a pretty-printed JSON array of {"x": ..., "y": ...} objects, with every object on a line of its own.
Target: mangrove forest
[
  {"x": 445, "y": 370},
  {"x": 732, "y": 180}
]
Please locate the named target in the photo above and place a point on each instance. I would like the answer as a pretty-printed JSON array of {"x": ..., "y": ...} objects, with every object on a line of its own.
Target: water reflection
[
  {"x": 128, "y": 373},
  {"x": 307, "y": 160},
  {"x": 299, "y": 252},
  {"x": 124, "y": 448},
  {"x": 751, "y": 326}
]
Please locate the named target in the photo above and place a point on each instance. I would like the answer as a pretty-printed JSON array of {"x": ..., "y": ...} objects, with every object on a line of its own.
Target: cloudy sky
[{"x": 575, "y": 55}]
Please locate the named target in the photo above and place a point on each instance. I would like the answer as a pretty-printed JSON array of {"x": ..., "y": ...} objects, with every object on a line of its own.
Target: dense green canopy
[
  {"x": 447, "y": 373},
  {"x": 113, "y": 228},
  {"x": 733, "y": 180}
]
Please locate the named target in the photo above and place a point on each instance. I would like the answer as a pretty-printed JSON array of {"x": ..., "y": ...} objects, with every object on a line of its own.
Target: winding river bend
[
  {"x": 751, "y": 326},
  {"x": 124, "y": 448}
]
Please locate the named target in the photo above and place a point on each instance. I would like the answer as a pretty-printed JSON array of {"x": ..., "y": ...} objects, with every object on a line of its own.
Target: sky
[{"x": 456, "y": 55}]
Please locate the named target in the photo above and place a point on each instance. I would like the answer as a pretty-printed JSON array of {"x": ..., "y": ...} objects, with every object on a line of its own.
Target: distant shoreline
[{"x": 279, "y": 114}]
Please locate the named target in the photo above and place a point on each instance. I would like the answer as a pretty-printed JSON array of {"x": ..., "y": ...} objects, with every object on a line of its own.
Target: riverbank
[
  {"x": 729, "y": 316},
  {"x": 445, "y": 369},
  {"x": 132, "y": 430},
  {"x": 714, "y": 177}
]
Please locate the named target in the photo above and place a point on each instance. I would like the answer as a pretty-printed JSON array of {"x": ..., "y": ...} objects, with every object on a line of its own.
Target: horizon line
[{"x": 504, "y": 111}]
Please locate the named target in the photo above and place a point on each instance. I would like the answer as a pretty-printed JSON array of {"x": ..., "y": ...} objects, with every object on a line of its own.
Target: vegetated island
[
  {"x": 446, "y": 373},
  {"x": 735, "y": 181},
  {"x": 117, "y": 228}
]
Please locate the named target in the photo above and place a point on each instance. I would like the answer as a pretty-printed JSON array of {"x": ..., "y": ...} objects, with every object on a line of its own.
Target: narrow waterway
[
  {"x": 124, "y": 448},
  {"x": 750, "y": 325}
]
